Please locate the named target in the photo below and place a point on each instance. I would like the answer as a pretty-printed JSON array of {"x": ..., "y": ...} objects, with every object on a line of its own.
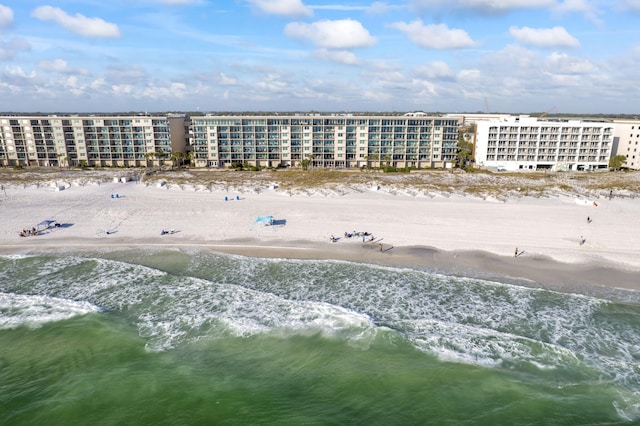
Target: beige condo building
[
  {"x": 327, "y": 141},
  {"x": 92, "y": 140}
]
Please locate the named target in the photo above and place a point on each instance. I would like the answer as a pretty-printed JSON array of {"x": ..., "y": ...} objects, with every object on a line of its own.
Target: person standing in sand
[{"x": 516, "y": 253}]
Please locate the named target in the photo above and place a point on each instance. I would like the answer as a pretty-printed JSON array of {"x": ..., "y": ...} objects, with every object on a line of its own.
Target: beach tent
[{"x": 264, "y": 220}]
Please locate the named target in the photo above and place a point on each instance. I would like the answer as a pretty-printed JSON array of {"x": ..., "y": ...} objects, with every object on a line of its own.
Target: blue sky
[{"x": 570, "y": 56}]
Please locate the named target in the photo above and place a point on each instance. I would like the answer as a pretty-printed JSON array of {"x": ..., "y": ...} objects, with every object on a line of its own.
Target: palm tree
[
  {"x": 306, "y": 162},
  {"x": 149, "y": 155},
  {"x": 178, "y": 157},
  {"x": 367, "y": 158}
]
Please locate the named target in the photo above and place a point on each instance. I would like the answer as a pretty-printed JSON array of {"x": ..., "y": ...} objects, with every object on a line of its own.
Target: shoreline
[
  {"x": 539, "y": 271},
  {"x": 568, "y": 240}
]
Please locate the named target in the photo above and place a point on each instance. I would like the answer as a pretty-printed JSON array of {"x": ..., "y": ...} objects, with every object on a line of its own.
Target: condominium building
[
  {"x": 327, "y": 141},
  {"x": 125, "y": 141},
  {"x": 528, "y": 143},
  {"x": 626, "y": 141},
  {"x": 502, "y": 142}
]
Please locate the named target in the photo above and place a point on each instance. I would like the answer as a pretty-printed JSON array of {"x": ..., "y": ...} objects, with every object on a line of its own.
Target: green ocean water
[{"x": 179, "y": 337}]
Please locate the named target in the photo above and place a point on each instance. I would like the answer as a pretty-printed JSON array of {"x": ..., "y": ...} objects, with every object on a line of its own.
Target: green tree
[
  {"x": 306, "y": 162},
  {"x": 616, "y": 162},
  {"x": 149, "y": 156},
  {"x": 464, "y": 149},
  {"x": 178, "y": 158}
]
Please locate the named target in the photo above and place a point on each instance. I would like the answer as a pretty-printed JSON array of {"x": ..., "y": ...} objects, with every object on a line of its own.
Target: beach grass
[{"x": 478, "y": 183}]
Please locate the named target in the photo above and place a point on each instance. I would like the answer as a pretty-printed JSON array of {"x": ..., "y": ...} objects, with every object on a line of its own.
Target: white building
[
  {"x": 626, "y": 141},
  {"x": 528, "y": 143}
]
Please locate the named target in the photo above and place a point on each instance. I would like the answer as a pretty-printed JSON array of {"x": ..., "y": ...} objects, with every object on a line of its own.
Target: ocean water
[{"x": 170, "y": 337}]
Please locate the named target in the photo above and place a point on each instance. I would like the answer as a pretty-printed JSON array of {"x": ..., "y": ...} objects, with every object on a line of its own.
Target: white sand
[{"x": 544, "y": 228}]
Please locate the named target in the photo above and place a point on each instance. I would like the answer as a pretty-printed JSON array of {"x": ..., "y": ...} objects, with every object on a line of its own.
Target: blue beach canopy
[{"x": 264, "y": 219}]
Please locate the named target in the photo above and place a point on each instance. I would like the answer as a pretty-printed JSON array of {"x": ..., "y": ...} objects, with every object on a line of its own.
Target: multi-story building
[
  {"x": 327, "y": 141},
  {"x": 125, "y": 141},
  {"x": 528, "y": 143},
  {"x": 626, "y": 141}
]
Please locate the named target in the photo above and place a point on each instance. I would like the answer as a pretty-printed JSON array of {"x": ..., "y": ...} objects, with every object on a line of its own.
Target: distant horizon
[{"x": 312, "y": 112}]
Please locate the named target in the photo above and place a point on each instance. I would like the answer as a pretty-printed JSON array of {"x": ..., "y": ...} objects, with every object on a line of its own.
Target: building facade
[
  {"x": 327, "y": 141},
  {"x": 527, "y": 143},
  {"x": 121, "y": 141},
  {"x": 626, "y": 141},
  {"x": 417, "y": 140}
]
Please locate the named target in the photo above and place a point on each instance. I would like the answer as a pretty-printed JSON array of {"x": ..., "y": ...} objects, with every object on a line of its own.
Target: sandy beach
[{"x": 565, "y": 240}]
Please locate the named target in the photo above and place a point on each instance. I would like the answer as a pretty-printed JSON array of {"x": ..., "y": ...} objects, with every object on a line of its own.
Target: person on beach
[
  {"x": 380, "y": 246},
  {"x": 516, "y": 253}
]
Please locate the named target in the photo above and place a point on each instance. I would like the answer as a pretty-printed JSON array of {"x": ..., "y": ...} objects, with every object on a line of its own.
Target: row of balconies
[
  {"x": 554, "y": 158},
  {"x": 547, "y": 143}
]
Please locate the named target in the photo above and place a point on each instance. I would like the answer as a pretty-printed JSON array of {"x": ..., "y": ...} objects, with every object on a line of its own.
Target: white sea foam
[
  {"x": 458, "y": 319},
  {"x": 33, "y": 311},
  {"x": 15, "y": 256},
  {"x": 479, "y": 346},
  {"x": 198, "y": 306}
]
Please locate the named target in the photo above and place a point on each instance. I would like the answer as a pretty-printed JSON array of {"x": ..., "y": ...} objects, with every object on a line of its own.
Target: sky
[{"x": 510, "y": 56}]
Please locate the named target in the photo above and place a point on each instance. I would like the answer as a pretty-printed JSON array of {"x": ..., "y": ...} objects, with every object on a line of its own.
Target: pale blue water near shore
[{"x": 181, "y": 338}]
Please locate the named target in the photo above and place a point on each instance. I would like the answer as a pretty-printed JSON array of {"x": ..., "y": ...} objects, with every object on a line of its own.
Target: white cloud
[
  {"x": 484, "y": 7},
  {"x": 291, "y": 8},
  {"x": 339, "y": 34},
  {"x": 226, "y": 80},
  {"x": 172, "y": 90},
  {"x": 339, "y": 56},
  {"x": 79, "y": 24},
  {"x": 469, "y": 75},
  {"x": 17, "y": 76},
  {"x": 274, "y": 83},
  {"x": 379, "y": 8},
  {"x": 98, "y": 83},
  {"x": 61, "y": 66},
  {"x": 436, "y": 36},
  {"x": 561, "y": 63},
  {"x": 585, "y": 7},
  {"x": 424, "y": 88},
  {"x": 544, "y": 37},
  {"x": 126, "y": 75},
  {"x": 57, "y": 65},
  {"x": 630, "y": 5},
  {"x": 6, "y": 16},
  {"x": 122, "y": 89},
  {"x": 436, "y": 70},
  {"x": 8, "y": 49}
]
